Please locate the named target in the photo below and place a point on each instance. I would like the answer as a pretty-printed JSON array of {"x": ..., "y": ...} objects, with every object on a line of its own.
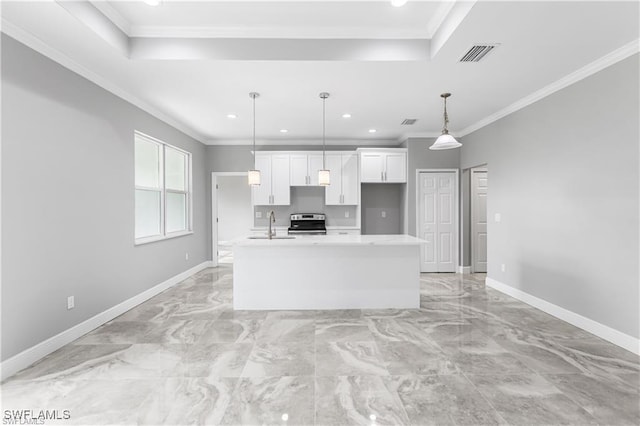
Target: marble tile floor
[{"x": 468, "y": 356}]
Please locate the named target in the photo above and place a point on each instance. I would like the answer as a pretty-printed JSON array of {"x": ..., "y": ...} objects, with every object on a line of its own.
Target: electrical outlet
[
  {"x": 71, "y": 303},
  {"x": 384, "y": 214},
  {"x": 186, "y": 256},
  {"x": 503, "y": 267},
  {"x": 497, "y": 217},
  {"x": 258, "y": 215},
  {"x": 346, "y": 213}
]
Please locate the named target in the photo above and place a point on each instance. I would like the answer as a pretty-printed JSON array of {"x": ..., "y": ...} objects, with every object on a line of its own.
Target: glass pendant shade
[
  {"x": 445, "y": 141},
  {"x": 254, "y": 177},
  {"x": 324, "y": 178}
]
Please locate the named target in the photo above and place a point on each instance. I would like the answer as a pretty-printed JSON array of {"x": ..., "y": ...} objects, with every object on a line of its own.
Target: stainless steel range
[{"x": 308, "y": 223}]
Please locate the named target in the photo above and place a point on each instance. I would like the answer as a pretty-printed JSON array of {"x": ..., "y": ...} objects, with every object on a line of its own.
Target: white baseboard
[
  {"x": 614, "y": 336},
  {"x": 464, "y": 269},
  {"x": 27, "y": 357}
]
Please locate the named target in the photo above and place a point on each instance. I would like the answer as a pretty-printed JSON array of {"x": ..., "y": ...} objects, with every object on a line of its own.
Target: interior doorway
[
  {"x": 479, "y": 188},
  {"x": 437, "y": 219},
  {"x": 231, "y": 213}
]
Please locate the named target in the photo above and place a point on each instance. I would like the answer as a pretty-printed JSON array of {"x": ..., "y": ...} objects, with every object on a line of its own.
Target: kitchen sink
[{"x": 277, "y": 237}]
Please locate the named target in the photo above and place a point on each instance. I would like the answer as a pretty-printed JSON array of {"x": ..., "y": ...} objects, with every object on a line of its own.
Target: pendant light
[
  {"x": 445, "y": 140},
  {"x": 254, "y": 175},
  {"x": 324, "y": 178}
]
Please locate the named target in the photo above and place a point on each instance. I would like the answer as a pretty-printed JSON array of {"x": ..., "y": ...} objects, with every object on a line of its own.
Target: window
[{"x": 162, "y": 190}]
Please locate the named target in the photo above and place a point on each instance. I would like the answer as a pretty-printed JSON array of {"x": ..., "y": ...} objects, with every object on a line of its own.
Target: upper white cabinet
[
  {"x": 274, "y": 186},
  {"x": 304, "y": 169},
  {"x": 383, "y": 165},
  {"x": 344, "y": 179}
]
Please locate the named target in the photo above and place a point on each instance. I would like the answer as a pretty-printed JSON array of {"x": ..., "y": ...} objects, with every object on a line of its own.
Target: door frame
[
  {"x": 456, "y": 198},
  {"x": 214, "y": 212},
  {"x": 472, "y": 209}
]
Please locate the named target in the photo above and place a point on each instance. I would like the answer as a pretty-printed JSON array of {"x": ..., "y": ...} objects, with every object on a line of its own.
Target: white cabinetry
[
  {"x": 383, "y": 166},
  {"x": 274, "y": 188},
  {"x": 344, "y": 179},
  {"x": 304, "y": 169}
]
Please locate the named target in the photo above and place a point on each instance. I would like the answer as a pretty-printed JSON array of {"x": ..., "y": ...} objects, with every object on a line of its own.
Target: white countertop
[{"x": 332, "y": 240}]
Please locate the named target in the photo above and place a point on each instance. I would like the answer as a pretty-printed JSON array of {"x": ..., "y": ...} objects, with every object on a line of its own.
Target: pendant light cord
[
  {"x": 254, "y": 133},
  {"x": 324, "y": 100}
]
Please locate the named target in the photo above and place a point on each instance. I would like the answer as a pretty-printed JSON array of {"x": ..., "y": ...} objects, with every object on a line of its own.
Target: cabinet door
[
  {"x": 371, "y": 167},
  {"x": 261, "y": 194},
  {"x": 350, "y": 182},
  {"x": 280, "y": 187},
  {"x": 333, "y": 192},
  {"x": 315, "y": 164},
  {"x": 396, "y": 167},
  {"x": 299, "y": 173}
]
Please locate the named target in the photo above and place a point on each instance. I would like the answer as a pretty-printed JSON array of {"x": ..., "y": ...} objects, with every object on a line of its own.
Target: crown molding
[
  {"x": 582, "y": 73},
  {"x": 138, "y": 31},
  {"x": 43, "y": 48},
  {"x": 113, "y": 15},
  {"x": 314, "y": 142}
]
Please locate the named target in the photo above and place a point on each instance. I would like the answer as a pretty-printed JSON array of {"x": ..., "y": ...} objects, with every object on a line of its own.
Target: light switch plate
[
  {"x": 346, "y": 213},
  {"x": 258, "y": 215},
  {"x": 384, "y": 214},
  {"x": 497, "y": 217}
]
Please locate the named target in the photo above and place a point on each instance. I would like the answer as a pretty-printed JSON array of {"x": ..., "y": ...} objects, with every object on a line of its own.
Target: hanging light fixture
[
  {"x": 324, "y": 178},
  {"x": 254, "y": 175},
  {"x": 445, "y": 140}
]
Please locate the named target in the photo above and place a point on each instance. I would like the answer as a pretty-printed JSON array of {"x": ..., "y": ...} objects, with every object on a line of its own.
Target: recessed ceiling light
[
  {"x": 232, "y": 116},
  {"x": 372, "y": 130},
  {"x": 347, "y": 115},
  {"x": 398, "y": 3},
  {"x": 152, "y": 2},
  {"x": 283, "y": 130}
]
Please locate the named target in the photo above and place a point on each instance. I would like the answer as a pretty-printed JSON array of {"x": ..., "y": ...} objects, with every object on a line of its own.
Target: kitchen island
[{"x": 327, "y": 272}]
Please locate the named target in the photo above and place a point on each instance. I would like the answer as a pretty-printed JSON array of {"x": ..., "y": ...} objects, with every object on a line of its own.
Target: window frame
[{"x": 188, "y": 192}]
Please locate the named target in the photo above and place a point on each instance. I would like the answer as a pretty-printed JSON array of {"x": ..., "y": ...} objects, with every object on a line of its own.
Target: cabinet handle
[
  {"x": 382, "y": 176},
  {"x": 385, "y": 176}
]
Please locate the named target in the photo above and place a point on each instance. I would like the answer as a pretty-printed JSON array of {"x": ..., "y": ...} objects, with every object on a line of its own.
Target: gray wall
[
  {"x": 378, "y": 198},
  {"x": 68, "y": 200},
  {"x": 421, "y": 157},
  {"x": 564, "y": 176}
]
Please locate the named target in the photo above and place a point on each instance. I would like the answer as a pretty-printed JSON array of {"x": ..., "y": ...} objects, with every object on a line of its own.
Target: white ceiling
[{"x": 192, "y": 63}]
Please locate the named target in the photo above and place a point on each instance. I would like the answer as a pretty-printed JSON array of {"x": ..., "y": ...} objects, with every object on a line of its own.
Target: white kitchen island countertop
[
  {"x": 327, "y": 272},
  {"x": 332, "y": 240}
]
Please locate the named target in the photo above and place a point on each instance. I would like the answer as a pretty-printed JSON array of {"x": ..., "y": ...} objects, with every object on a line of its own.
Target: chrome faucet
[{"x": 272, "y": 219}]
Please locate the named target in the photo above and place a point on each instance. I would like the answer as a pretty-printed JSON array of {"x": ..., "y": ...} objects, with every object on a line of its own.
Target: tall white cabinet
[
  {"x": 344, "y": 179},
  {"x": 274, "y": 188},
  {"x": 383, "y": 165}
]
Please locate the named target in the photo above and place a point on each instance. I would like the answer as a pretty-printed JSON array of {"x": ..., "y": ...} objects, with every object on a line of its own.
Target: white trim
[
  {"x": 582, "y": 73},
  {"x": 614, "y": 336},
  {"x": 55, "y": 55},
  {"x": 457, "y": 210},
  {"x": 27, "y": 357},
  {"x": 113, "y": 15},
  {"x": 464, "y": 269},
  {"x": 318, "y": 142}
]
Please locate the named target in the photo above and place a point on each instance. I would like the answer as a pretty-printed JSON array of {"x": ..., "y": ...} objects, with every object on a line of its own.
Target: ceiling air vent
[
  {"x": 477, "y": 52},
  {"x": 409, "y": 121}
]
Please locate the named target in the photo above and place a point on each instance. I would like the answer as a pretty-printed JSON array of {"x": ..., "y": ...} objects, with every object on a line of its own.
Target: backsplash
[{"x": 307, "y": 199}]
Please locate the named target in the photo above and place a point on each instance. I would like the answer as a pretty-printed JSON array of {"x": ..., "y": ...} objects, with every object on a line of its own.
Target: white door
[
  {"x": 261, "y": 194},
  {"x": 299, "y": 173},
  {"x": 437, "y": 221},
  {"x": 479, "y": 185},
  {"x": 333, "y": 192},
  {"x": 313, "y": 166},
  {"x": 350, "y": 182},
  {"x": 371, "y": 167},
  {"x": 396, "y": 168},
  {"x": 280, "y": 187}
]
